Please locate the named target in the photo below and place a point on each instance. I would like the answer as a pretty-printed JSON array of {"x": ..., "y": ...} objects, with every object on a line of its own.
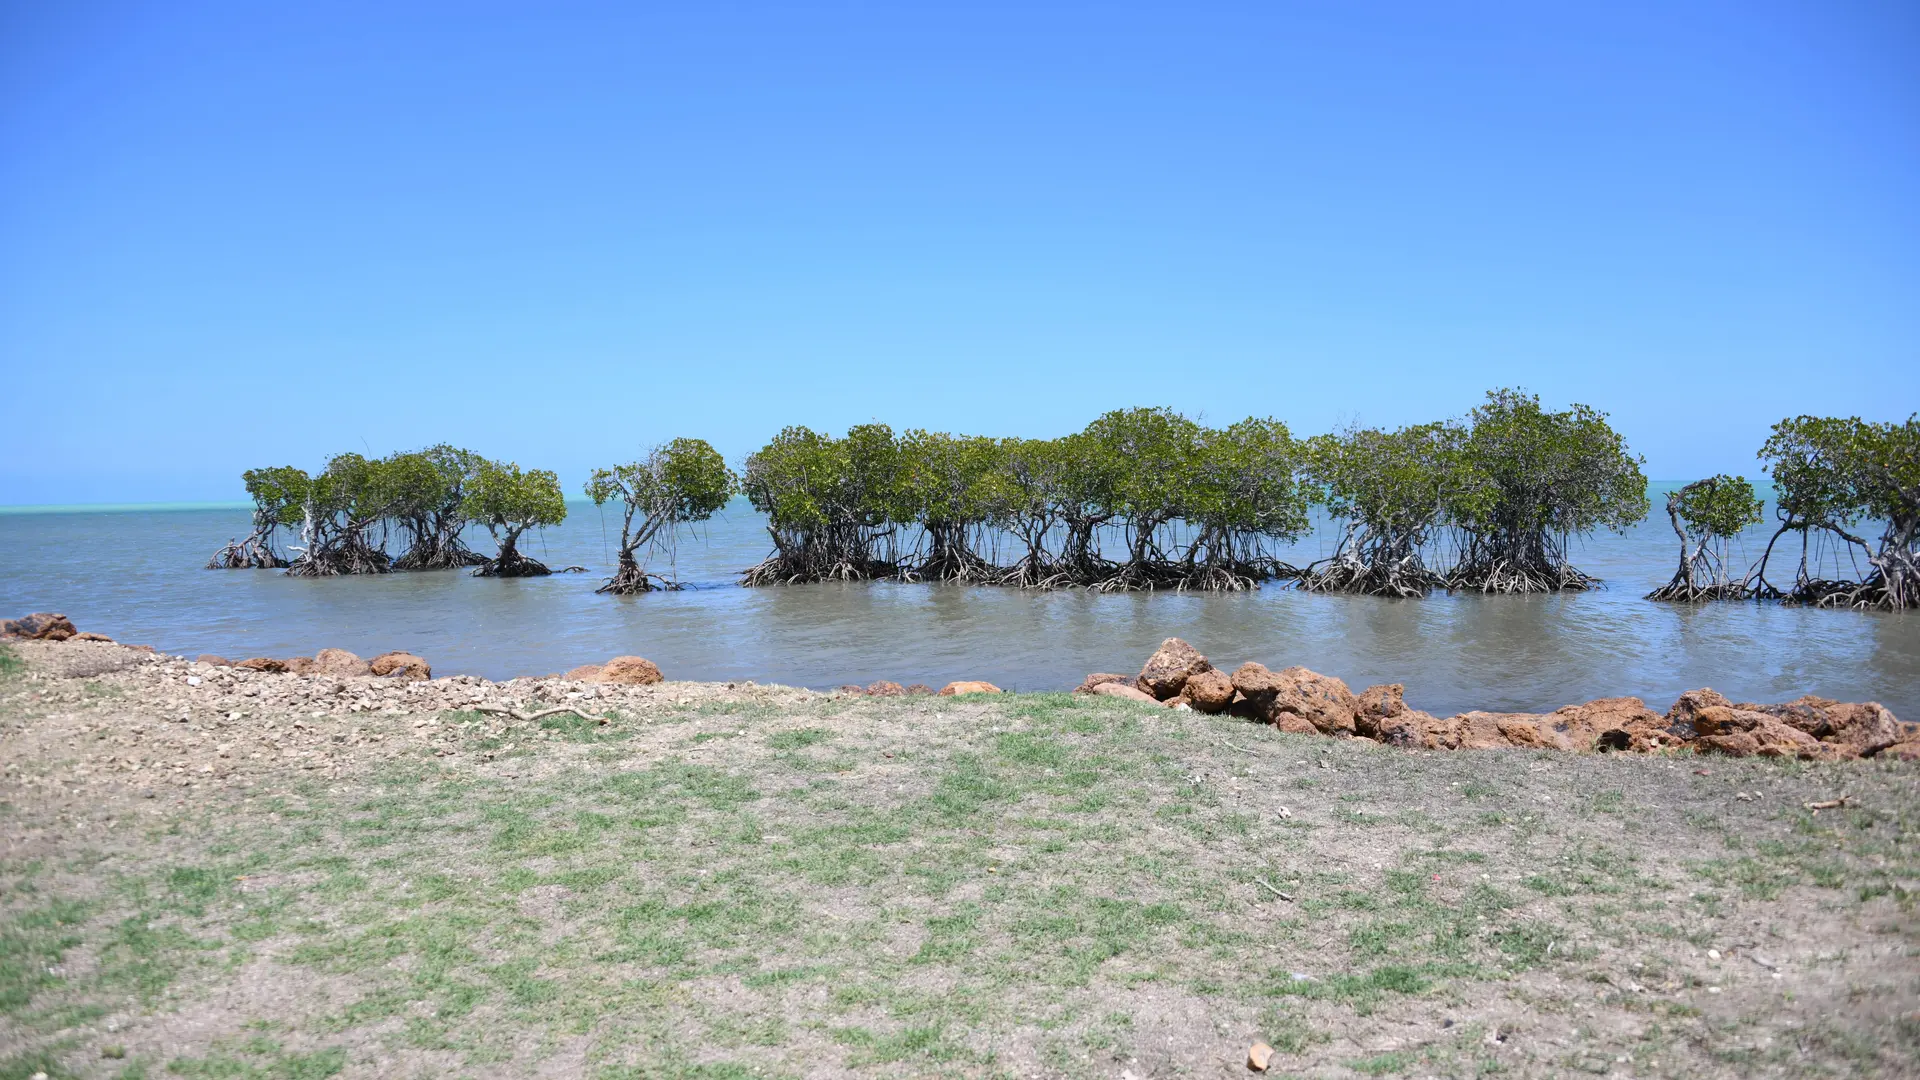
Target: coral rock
[
  {"x": 39, "y": 626},
  {"x": 630, "y": 671},
  {"x": 212, "y": 661},
  {"x": 968, "y": 687},
  {"x": 261, "y": 663},
  {"x": 1123, "y": 690},
  {"x": 299, "y": 665},
  {"x": 584, "y": 673},
  {"x": 1209, "y": 691},
  {"x": 884, "y": 688},
  {"x": 1167, "y": 670},
  {"x": 1322, "y": 700},
  {"x": 339, "y": 662},
  {"x": 1087, "y": 684},
  {"x": 918, "y": 689},
  {"x": 402, "y": 665}
]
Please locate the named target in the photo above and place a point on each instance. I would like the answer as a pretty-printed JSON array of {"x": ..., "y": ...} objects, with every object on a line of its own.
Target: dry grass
[{"x": 1030, "y": 885}]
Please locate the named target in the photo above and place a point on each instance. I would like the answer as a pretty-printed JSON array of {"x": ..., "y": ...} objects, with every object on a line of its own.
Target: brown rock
[
  {"x": 968, "y": 687},
  {"x": 1860, "y": 729},
  {"x": 1259, "y": 1056},
  {"x": 1294, "y": 724},
  {"x": 1680, "y": 717},
  {"x": 886, "y": 689},
  {"x": 1167, "y": 670},
  {"x": 1475, "y": 731},
  {"x": 1209, "y": 691},
  {"x": 584, "y": 673},
  {"x": 39, "y": 626},
  {"x": 1124, "y": 690},
  {"x": 1377, "y": 705},
  {"x": 211, "y": 659},
  {"x": 1322, "y": 700},
  {"x": 261, "y": 663},
  {"x": 1256, "y": 683},
  {"x": 1739, "y": 732},
  {"x": 338, "y": 662},
  {"x": 1410, "y": 728},
  {"x": 402, "y": 665},
  {"x": 86, "y": 636},
  {"x": 298, "y": 665},
  {"x": 1905, "y": 750},
  {"x": 1087, "y": 684},
  {"x": 1622, "y": 723},
  {"x": 1732, "y": 744},
  {"x": 918, "y": 689},
  {"x": 631, "y": 671}
]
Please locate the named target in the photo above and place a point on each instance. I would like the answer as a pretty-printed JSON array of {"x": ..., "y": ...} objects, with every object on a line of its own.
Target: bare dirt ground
[{"x": 213, "y": 873}]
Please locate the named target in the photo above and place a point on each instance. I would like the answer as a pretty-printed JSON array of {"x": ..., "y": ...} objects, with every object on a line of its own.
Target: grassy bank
[{"x": 1029, "y": 885}]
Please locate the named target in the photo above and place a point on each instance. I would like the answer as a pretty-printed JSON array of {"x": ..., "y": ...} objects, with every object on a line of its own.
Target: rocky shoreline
[
  {"x": 1308, "y": 703},
  {"x": 1177, "y": 675}
]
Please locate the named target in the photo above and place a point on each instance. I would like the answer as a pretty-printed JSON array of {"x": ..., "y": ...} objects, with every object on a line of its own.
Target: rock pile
[
  {"x": 1309, "y": 703},
  {"x": 49, "y": 626}
]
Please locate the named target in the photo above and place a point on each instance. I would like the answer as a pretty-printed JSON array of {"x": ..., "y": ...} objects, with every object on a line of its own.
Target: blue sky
[{"x": 242, "y": 234}]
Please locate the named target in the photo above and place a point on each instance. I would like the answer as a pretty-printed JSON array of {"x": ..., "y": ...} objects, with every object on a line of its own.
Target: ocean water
[{"x": 136, "y": 574}]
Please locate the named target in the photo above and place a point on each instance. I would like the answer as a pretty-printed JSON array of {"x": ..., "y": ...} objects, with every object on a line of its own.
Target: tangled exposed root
[
  {"x": 341, "y": 561},
  {"x": 631, "y": 579},
  {"x": 1682, "y": 591},
  {"x": 1405, "y": 578},
  {"x": 441, "y": 554},
  {"x": 780, "y": 570},
  {"x": 253, "y": 553},
  {"x": 511, "y": 563},
  {"x": 1502, "y": 576},
  {"x": 956, "y": 565}
]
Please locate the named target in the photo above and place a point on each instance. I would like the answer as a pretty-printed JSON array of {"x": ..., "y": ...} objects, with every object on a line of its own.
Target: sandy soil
[{"x": 214, "y": 872}]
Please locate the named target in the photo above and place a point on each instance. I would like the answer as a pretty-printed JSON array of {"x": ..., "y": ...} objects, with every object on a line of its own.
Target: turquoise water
[{"x": 136, "y": 573}]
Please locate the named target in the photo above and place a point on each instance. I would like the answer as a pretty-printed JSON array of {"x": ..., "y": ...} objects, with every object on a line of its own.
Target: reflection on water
[{"x": 136, "y": 575}]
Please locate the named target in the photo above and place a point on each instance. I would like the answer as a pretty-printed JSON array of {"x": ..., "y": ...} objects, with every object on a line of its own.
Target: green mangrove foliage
[
  {"x": 1142, "y": 499},
  {"x": 1392, "y": 490},
  {"x": 677, "y": 484},
  {"x": 1536, "y": 479},
  {"x": 1829, "y": 475},
  {"x": 430, "y": 506},
  {"x": 832, "y": 505},
  {"x": 1706, "y": 516},
  {"x": 345, "y": 515},
  {"x": 1149, "y": 499},
  {"x": 507, "y": 502},
  {"x": 278, "y": 494}
]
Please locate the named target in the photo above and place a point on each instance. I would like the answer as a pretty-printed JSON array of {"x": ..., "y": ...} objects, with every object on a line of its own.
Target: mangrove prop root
[
  {"x": 512, "y": 564},
  {"x": 631, "y": 579},
  {"x": 1504, "y": 576},
  {"x": 1349, "y": 574},
  {"x": 253, "y": 553},
  {"x": 438, "y": 553}
]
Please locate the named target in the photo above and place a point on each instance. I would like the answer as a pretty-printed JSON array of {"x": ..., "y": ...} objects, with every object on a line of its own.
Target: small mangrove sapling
[
  {"x": 508, "y": 502},
  {"x": 678, "y": 483}
]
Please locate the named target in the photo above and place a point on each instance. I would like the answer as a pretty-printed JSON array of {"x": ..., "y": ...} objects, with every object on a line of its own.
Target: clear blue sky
[{"x": 235, "y": 234}]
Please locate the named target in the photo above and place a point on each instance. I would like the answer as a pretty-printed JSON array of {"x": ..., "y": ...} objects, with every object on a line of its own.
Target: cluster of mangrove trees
[
  {"x": 1147, "y": 498},
  {"x": 1150, "y": 499},
  {"x": 1830, "y": 477},
  {"x": 342, "y": 519}
]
